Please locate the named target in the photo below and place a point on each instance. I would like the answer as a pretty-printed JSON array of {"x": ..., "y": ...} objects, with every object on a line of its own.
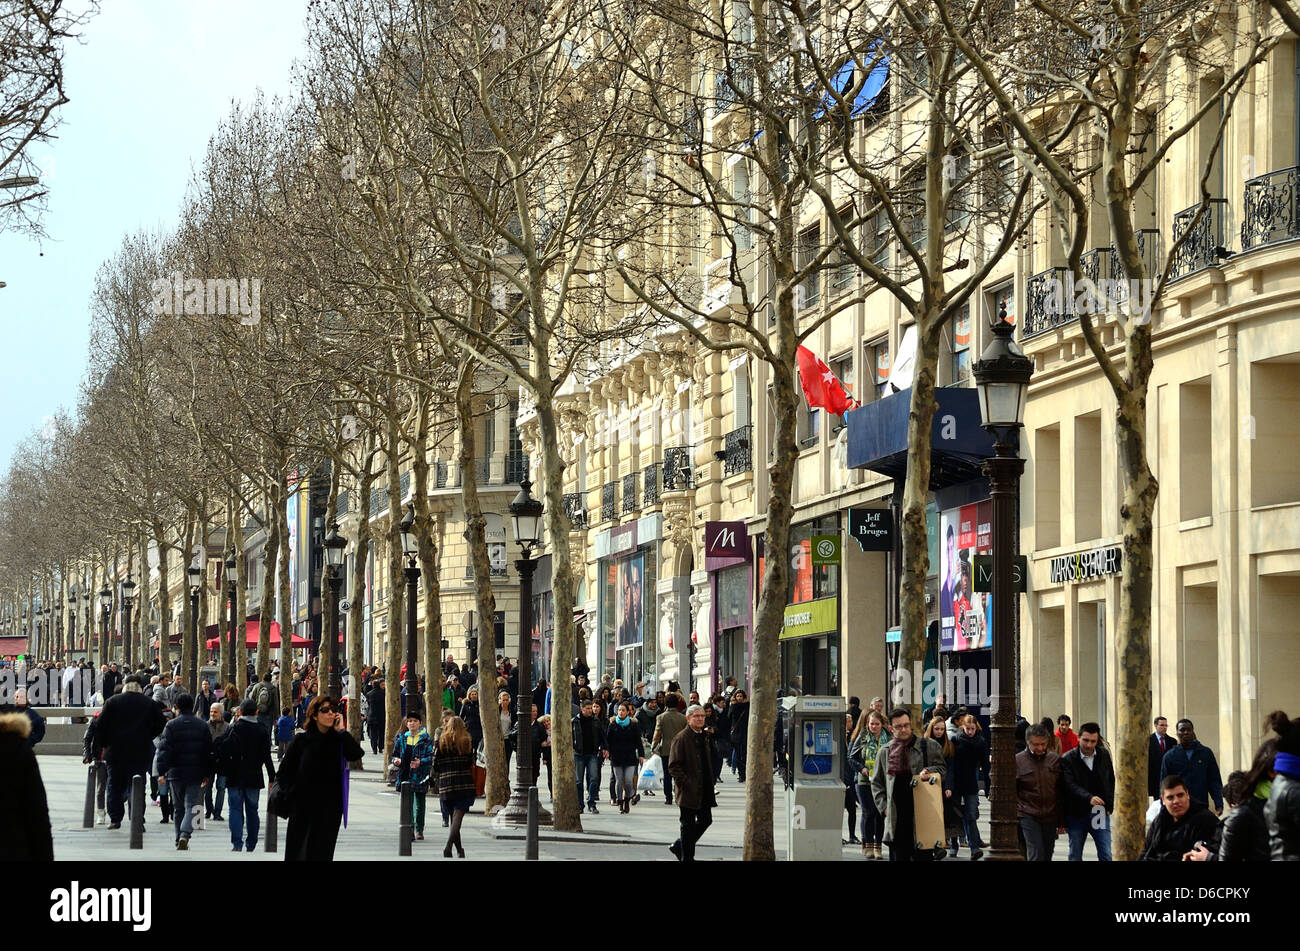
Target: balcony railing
[
  {"x": 631, "y": 500},
  {"x": 650, "y": 484},
  {"x": 440, "y": 474},
  {"x": 1272, "y": 209},
  {"x": 576, "y": 508},
  {"x": 516, "y": 467},
  {"x": 609, "y": 501},
  {"x": 740, "y": 451},
  {"x": 495, "y": 571},
  {"x": 728, "y": 88},
  {"x": 482, "y": 472},
  {"x": 1204, "y": 245},
  {"x": 1046, "y": 303},
  {"x": 677, "y": 468}
]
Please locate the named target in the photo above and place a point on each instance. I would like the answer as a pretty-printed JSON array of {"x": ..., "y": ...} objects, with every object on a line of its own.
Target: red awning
[
  {"x": 12, "y": 646},
  {"x": 251, "y": 631}
]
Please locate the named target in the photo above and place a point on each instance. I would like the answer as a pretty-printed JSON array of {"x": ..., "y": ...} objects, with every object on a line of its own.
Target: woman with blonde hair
[
  {"x": 452, "y": 759},
  {"x": 865, "y": 742}
]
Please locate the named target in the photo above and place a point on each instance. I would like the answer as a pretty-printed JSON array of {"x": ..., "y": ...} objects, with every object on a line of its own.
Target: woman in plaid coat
[{"x": 452, "y": 758}]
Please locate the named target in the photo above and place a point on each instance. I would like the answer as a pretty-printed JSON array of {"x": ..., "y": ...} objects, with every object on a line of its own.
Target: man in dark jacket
[
  {"x": 127, "y": 726},
  {"x": 667, "y": 726},
  {"x": 1038, "y": 794},
  {"x": 250, "y": 755},
  {"x": 1196, "y": 764},
  {"x": 537, "y": 733},
  {"x": 588, "y": 748},
  {"x": 109, "y": 681},
  {"x": 690, "y": 762},
  {"x": 375, "y": 717},
  {"x": 646, "y": 717},
  {"x": 1158, "y": 744},
  {"x": 185, "y": 765},
  {"x": 1089, "y": 779},
  {"x": 1182, "y": 823},
  {"x": 970, "y": 761}
]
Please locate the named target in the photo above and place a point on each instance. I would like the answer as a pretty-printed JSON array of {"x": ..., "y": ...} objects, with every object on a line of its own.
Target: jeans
[
  {"x": 101, "y": 784},
  {"x": 873, "y": 823},
  {"x": 119, "y": 786},
  {"x": 694, "y": 823},
  {"x": 1040, "y": 839},
  {"x": 625, "y": 781},
  {"x": 187, "y": 799},
  {"x": 243, "y": 804},
  {"x": 1080, "y": 827},
  {"x": 970, "y": 813},
  {"x": 219, "y": 785},
  {"x": 591, "y": 766},
  {"x": 418, "y": 793}
]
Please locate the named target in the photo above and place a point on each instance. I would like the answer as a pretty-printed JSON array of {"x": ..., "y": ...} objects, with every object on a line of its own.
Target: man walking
[
  {"x": 1181, "y": 823},
  {"x": 245, "y": 751},
  {"x": 217, "y": 726},
  {"x": 185, "y": 765},
  {"x": 127, "y": 727},
  {"x": 690, "y": 762},
  {"x": 1196, "y": 765},
  {"x": 588, "y": 747},
  {"x": 375, "y": 719},
  {"x": 668, "y": 725},
  {"x": 1158, "y": 744},
  {"x": 1038, "y": 794},
  {"x": 904, "y": 756},
  {"x": 1089, "y": 779},
  {"x": 267, "y": 697}
]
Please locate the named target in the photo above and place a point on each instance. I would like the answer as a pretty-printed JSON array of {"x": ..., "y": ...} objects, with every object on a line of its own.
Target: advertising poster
[
  {"x": 291, "y": 511},
  {"x": 965, "y": 615},
  {"x": 630, "y": 612}
]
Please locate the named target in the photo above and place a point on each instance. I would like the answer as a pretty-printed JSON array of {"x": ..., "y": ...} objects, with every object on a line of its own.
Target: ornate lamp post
[
  {"x": 335, "y": 546},
  {"x": 526, "y": 520},
  {"x": 411, "y": 549},
  {"x": 106, "y": 610},
  {"x": 1002, "y": 377},
  {"x": 128, "y": 597},
  {"x": 72, "y": 622},
  {"x": 231, "y": 592},
  {"x": 195, "y": 573}
]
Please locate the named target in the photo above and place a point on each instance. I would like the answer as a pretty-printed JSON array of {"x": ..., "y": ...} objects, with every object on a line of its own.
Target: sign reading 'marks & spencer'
[
  {"x": 1086, "y": 565},
  {"x": 725, "y": 540}
]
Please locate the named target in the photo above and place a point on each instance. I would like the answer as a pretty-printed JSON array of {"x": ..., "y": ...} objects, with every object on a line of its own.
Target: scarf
[
  {"x": 899, "y": 764},
  {"x": 622, "y": 721},
  {"x": 1288, "y": 764},
  {"x": 1263, "y": 788}
]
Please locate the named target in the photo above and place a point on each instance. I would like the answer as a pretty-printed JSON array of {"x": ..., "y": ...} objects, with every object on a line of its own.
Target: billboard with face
[
  {"x": 965, "y": 616},
  {"x": 630, "y": 606}
]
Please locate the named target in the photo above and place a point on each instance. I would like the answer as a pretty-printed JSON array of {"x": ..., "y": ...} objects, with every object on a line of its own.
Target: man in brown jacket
[
  {"x": 1039, "y": 795},
  {"x": 690, "y": 762},
  {"x": 667, "y": 726}
]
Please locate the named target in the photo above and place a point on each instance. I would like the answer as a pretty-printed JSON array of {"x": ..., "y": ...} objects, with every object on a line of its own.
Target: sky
[{"x": 149, "y": 82}]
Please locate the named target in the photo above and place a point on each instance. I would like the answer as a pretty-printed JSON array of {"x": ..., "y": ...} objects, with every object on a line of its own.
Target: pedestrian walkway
[{"x": 372, "y": 832}]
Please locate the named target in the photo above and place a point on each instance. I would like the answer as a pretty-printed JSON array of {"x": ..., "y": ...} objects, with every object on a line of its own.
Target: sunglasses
[{"x": 325, "y": 710}]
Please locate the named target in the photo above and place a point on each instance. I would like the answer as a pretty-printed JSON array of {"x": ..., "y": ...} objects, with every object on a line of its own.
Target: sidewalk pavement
[{"x": 372, "y": 833}]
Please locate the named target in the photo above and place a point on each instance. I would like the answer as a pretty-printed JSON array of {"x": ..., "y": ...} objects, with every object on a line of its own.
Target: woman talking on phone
[{"x": 314, "y": 778}]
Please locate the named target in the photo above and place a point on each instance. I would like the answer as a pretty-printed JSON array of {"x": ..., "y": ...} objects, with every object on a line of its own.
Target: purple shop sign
[{"x": 725, "y": 544}]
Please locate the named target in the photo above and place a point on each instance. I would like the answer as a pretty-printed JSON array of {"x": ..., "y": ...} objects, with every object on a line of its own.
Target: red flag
[{"x": 819, "y": 384}]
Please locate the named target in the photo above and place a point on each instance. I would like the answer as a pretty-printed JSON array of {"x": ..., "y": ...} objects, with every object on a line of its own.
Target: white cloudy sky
[{"x": 149, "y": 82}]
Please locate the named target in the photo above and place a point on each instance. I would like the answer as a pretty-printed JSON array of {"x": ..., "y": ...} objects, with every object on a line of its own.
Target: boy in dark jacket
[
  {"x": 1182, "y": 823},
  {"x": 284, "y": 728},
  {"x": 184, "y": 765},
  {"x": 250, "y": 755}
]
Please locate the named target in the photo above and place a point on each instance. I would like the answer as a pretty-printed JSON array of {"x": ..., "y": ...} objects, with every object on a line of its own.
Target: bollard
[
  {"x": 404, "y": 831},
  {"x": 88, "y": 816},
  {"x": 272, "y": 831},
  {"x": 137, "y": 811},
  {"x": 530, "y": 839}
]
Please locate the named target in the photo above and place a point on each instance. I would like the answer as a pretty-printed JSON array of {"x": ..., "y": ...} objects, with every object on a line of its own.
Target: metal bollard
[
  {"x": 530, "y": 838},
  {"x": 88, "y": 816},
  {"x": 405, "y": 833},
  {"x": 137, "y": 811},
  {"x": 272, "y": 831}
]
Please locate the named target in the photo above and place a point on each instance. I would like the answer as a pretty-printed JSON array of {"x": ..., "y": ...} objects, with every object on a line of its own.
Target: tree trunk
[
  {"x": 428, "y": 557},
  {"x": 270, "y": 556},
  {"x": 164, "y": 603},
  {"x": 140, "y": 630},
  {"x": 241, "y": 603},
  {"x": 396, "y": 596},
  {"x": 189, "y": 661},
  {"x": 356, "y": 612},
  {"x": 282, "y": 571}
]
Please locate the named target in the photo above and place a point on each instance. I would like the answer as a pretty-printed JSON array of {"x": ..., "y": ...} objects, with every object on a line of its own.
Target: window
[
  {"x": 742, "y": 23},
  {"x": 957, "y": 190},
  {"x": 1003, "y": 296},
  {"x": 961, "y": 346},
  {"x": 740, "y": 193},
  {"x": 808, "y": 293},
  {"x": 878, "y": 355},
  {"x": 1000, "y": 174},
  {"x": 809, "y": 425},
  {"x": 911, "y": 206},
  {"x": 741, "y": 405},
  {"x": 842, "y": 367},
  {"x": 845, "y": 272},
  {"x": 878, "y": 233}
]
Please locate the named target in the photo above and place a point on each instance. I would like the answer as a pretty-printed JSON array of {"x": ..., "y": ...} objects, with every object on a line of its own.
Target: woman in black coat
[
  {"x": 314, "y": 774},
  {"x": 470, "y": 714},
  {"x": 738, "y": 718},
  {"x": 25, "y": 834}
]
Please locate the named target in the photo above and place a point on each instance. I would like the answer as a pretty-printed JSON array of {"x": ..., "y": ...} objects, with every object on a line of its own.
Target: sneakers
[
  {"x": 593, "y": 810},
  {"x": 183, "y": 844},
  {"x": 115, "y": 825},
  {"x": 977, "y": 855},
  {"x": 102, "y": 818},
  {"x": 676, "y": 849}
]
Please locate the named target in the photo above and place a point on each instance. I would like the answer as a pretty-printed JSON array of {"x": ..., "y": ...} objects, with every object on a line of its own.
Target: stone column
[{"x": 701, "y": 622}]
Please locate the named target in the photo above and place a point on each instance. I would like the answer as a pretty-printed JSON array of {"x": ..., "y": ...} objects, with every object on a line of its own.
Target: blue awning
[
  {"x": 958, "y": 444},
  {"x": 875, "y": 83}
]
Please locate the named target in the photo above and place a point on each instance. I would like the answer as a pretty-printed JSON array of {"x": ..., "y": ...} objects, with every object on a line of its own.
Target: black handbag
[{"x": 277, "y": 800}]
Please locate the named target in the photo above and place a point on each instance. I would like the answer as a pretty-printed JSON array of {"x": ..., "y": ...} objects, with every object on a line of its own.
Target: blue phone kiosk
[{"x": 815, "y": 790}]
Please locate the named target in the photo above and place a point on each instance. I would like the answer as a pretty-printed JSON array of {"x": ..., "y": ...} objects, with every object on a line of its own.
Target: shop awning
[
  {"x": 251, "y": 633},
  {"x": 12, "y": 646},
  {"x": 958, "y": 444}
]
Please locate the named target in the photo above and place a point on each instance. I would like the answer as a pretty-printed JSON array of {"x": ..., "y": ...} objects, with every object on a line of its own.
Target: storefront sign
[
  {"x": 965, "y": 612},
  {"x": 873, "y": 528},
  {"x": 825, "y": 550},
  {"x": 1086, "y": 565},
  {"x": 983, "y": 580},
  {"x": 811, "y": 617},
  {"x": 622, "y": 539},
  {"x": 725, "y": 540}
]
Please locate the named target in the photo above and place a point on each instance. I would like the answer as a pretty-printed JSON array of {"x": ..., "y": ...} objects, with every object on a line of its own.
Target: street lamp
[
  {"x": 411, "y": 549},
  {"x": 1002, "y": 377},
  {"x": 231, "y": 590},
  {"x": 106, "y": 609},
  {"x": 526, "y": 521},
  {"x": 128, "y": 594},
  {"x": 335, "y": 546},
  {"x": 196, "y": 642},
  {"x": 72, "y": 622}
]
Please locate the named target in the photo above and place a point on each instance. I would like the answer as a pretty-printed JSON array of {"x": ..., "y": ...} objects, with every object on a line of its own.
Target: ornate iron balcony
[
  {"x": 631, "y": 501},
  {"x": 650, "y": 484},
  {"x": 576, "y": 508},
  {"x": 740, "y": 451},
  {"x": 609, "y": 501},
  {"x": 440, "y": 474},
  {"x": 1204, "y": 245},
  {"x": 341, "y": 507},
  {"x": 1272, "y": 211},
  {"x": 516, "y": 467},
  {"x": 728, "y": 88},
  {"x": 677, "y": 468},
  {"x": 1046, "y": 303}
]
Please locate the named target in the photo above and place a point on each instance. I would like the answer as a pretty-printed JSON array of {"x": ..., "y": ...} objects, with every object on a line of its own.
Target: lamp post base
[{"x": 514, "y": 814}]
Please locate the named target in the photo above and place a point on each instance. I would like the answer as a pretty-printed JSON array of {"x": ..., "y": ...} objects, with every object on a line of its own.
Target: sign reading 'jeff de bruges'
[
  {"x": 873, "y": 528},
  {"x": 1085, "y": 565}
]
